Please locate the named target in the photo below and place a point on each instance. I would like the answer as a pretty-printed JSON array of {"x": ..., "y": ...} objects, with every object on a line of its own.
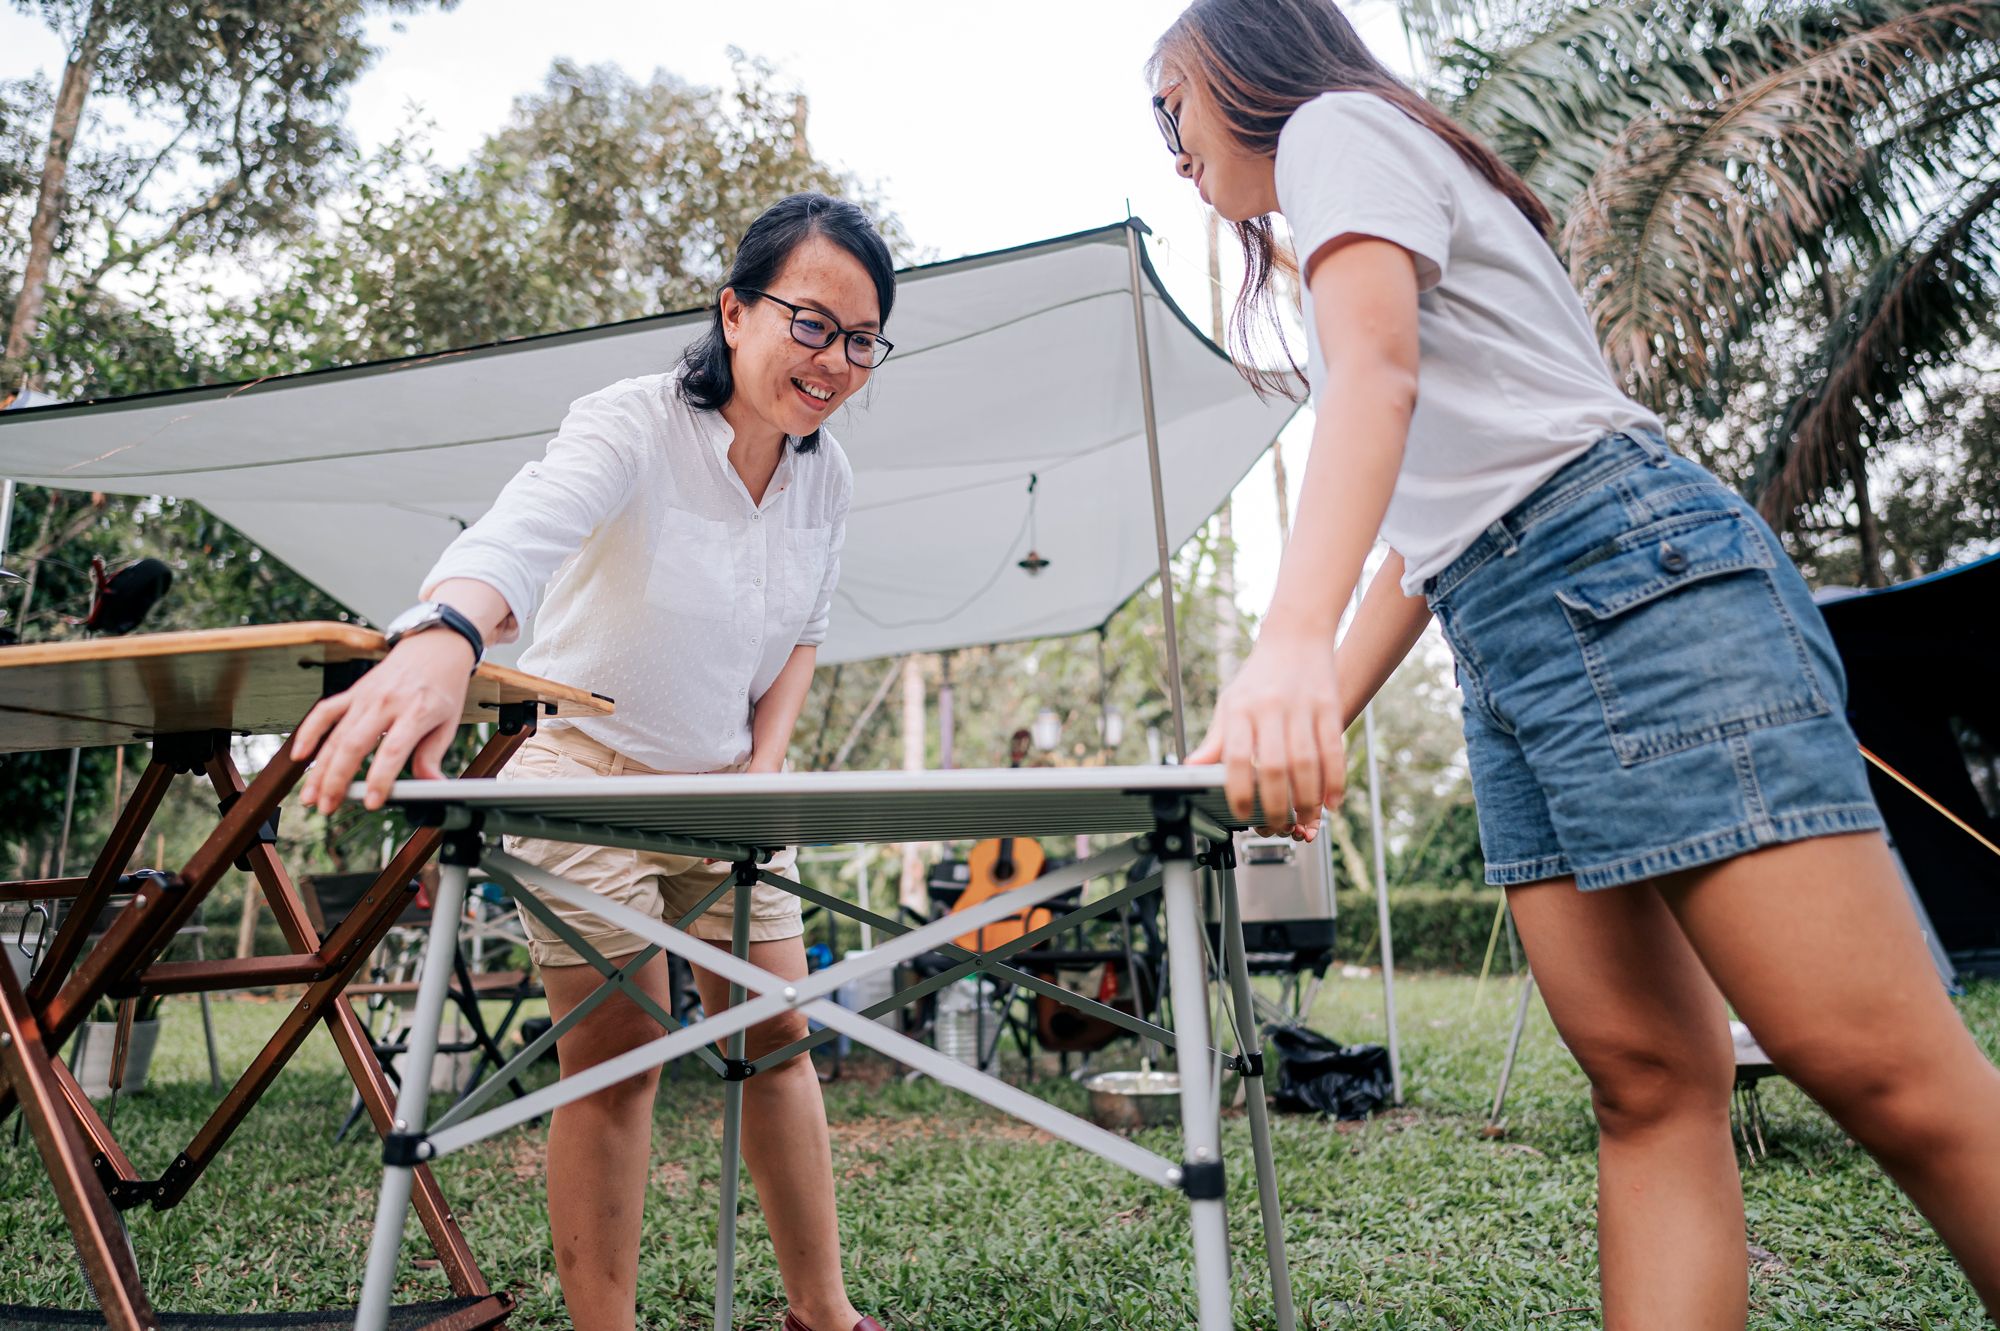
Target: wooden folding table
[{"x": 190, "y": 694}]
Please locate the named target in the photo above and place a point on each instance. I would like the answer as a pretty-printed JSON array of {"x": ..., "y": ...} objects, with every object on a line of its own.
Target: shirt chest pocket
[
  {"x": 694, "y": 571},
  {"x": 805, "y": 554}
]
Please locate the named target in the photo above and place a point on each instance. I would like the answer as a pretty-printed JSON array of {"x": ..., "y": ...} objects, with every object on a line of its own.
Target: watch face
[{"x": 411, "y": 618}]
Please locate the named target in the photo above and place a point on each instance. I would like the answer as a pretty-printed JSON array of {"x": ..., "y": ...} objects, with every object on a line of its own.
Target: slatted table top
[
  {"x": 253, "y": 681},
  {"x": 808, "y": 808}
]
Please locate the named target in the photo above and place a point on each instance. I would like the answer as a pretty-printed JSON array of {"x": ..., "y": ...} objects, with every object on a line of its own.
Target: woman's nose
[{"x": 1184, "y": 166}]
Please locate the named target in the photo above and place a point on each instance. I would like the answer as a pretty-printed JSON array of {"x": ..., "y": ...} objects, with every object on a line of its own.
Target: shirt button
[
  {"x": 756, "y": 582},
  {"x": 756, "y": 517}
]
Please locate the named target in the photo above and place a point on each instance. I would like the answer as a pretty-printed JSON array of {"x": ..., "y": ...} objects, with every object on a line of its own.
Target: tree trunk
[
  {"x": 912, "y": 892},
  {"x": 55, "y": 173},
  {"x": 1867, "y": 526}
]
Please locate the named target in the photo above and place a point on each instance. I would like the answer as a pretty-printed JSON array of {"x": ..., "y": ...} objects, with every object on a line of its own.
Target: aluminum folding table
[
  {"x": 189, "y": 694},
  {"x": 1175, "y": 814}
]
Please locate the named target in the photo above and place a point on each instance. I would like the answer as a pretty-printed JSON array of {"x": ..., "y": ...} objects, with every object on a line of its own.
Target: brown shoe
[{"x": 792, "y": 1323}]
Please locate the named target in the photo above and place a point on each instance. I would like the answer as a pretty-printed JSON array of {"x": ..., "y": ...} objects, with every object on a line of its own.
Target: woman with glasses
[
  {"x": 1667, "y": 787},
  {"x": 681, "y": 538}
]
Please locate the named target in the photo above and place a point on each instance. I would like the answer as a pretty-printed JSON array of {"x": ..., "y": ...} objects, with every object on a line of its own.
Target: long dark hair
[
  {"x": 1260, "y": 61},
  {"x": 709, "y": 380}
]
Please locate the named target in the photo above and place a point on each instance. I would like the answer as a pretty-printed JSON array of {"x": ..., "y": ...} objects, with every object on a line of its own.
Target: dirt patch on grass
[{"x": 860, "y": 1144}]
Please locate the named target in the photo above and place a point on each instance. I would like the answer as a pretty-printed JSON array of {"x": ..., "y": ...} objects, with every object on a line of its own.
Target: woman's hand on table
[
  {"x": 1278, "y": 734},
  {"x": 406, "y": 709}
]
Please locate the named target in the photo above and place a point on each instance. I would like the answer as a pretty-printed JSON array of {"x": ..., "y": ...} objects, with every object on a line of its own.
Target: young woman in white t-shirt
[
  {"x": 1666, "y": 783},
  {"x": 681, "y": 537}
]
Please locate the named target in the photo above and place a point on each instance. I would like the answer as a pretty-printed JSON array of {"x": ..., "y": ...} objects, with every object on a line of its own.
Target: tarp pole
[
  {"x": 1382, "y": 903},
  {"x": 6, "y": 517},
  {"x": 1159, "y": 499}
]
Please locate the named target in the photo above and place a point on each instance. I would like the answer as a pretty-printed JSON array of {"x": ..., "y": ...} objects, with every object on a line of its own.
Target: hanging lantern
[
  {"x": 1111, "y": 726},
  {"x": 1034, "y": 563},
  {"x": 1047, "y": 730}
]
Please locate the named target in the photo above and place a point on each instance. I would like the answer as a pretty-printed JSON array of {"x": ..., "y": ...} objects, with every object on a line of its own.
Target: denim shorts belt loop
[{"x": 1648, "y": 686}]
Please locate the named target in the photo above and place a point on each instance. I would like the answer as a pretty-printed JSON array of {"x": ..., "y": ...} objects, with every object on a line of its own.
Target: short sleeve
[{"x": 1353, "y": 164}]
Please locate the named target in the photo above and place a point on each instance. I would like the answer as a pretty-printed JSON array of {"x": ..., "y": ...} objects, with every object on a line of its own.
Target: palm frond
[
  {"x": 1552, "y": 97},
  {"x": 1699, "y": 209},
  {"x": 1922, "y": 304}
]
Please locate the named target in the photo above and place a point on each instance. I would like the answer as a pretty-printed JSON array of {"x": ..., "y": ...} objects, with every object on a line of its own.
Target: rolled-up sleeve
[
  {"x": 814, "y": 633},
  {"x": 544, "y": 513}
]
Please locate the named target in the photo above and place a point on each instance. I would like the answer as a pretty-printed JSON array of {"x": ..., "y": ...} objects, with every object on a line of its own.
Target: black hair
[{"x": 709, "y": 380}]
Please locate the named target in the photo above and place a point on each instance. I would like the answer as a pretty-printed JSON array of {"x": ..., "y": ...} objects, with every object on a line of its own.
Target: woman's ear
[{"x": 732, "y": 315}]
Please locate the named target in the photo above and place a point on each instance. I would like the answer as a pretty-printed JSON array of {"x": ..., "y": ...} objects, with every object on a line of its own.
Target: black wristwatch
[{"x": 436, "y": 614}]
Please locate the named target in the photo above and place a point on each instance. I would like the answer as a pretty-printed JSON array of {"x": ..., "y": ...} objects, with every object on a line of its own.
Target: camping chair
[{"x": 394, "y": 975}]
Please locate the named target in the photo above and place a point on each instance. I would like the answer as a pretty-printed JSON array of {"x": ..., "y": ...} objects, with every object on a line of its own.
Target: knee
[
  {"x": 768, "y": 1037},
  {"x": 1886, "y": 1095},
  {"x": 592, "y": 1043},
  {"x": 1635, "y": 1089}
]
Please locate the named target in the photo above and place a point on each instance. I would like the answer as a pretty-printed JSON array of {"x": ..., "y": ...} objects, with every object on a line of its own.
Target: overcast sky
[{"x": 983, "y": 125}]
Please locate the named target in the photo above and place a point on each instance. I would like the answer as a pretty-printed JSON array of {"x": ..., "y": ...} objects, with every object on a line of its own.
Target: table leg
[
  {"x": 735, "y": 1068},
  {"x": 26, "y": 1065},
  {"x": 1251, "y": 1047},
  {"x": 1201, "y": 1115},
  {"x": 413, "y": 1100}
]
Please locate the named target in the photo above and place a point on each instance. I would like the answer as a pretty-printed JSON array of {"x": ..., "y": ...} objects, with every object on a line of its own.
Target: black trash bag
[{"x": 1319, "y": 1075}]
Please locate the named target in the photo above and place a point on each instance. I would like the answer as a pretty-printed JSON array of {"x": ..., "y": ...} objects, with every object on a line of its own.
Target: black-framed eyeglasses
[
  {"x": 1169, "y": 123},
  {"x": 816, "y": 329}
]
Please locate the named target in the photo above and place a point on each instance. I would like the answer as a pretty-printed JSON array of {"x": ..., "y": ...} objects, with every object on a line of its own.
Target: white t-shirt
[
  {"x": 668, "y": 589},
  {"x": 1510, "y": 381}
]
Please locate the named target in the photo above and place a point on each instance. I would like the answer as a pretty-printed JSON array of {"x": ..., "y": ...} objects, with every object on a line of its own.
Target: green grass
[{"x": 954, "y": 1218}]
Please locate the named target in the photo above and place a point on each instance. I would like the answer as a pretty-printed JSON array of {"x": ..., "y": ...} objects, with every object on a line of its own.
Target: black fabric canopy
[{"x": 1923, "y": 670}]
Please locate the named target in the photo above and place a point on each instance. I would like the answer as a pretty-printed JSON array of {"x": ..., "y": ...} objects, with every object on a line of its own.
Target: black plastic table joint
[
  {"x": 339, "y": 676},
  {"x": 516, "y": 717},
  {"x": 267, "y": 832},
  {"x": 746, "y": 873},
  {"x": 1250, "y": 1064},
  {"x": 123, "y": 1193},
  {"x": 405, "y": 1149},
  {"x": 1173, "y": 833},
  {"x": 186, "y": 754},
  {"x": 737, "y": 1069},
  {"x": 424, "y": 815},
  {"x": 464, "y": 845},
  {"x": 1203, "y": 1183}
]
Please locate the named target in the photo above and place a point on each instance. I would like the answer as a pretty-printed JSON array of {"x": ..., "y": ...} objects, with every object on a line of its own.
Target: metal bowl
[{"x": 1125, "y": 1101}]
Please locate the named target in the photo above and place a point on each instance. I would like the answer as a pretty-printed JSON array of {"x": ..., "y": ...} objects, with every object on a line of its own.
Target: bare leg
[
  {"x": 1649, "y": 1029},
  {"x": 598, "y": 1150},
  {"x": 785, "y": 1144},
  {"x": 1818, "y": 950}
]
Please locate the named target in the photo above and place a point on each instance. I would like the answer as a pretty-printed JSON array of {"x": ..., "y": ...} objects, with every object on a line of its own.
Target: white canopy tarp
[{"x": 1008, "y": 365}]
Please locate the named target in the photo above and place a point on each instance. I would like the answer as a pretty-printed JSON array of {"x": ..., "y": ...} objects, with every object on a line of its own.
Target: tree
[
  {"x": 244, "y": 102},
  {"x": 1724, "y": 172},
  {"x": 602, "y": 199}
]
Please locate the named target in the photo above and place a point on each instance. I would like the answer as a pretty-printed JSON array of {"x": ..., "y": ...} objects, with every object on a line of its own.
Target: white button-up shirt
[{"x": 668, "y": 589}]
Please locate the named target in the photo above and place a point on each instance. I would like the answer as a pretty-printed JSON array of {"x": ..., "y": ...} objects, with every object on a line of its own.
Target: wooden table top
[{"x": 253, "y": 681}]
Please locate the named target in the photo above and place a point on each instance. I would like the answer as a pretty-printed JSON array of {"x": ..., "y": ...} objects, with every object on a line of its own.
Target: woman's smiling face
[
  {"x": 791, "y": 387},
  {"x": 1239, "y": 185}
]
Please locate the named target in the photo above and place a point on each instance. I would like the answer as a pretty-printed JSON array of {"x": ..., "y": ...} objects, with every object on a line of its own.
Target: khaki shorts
[{"x": 665, "y": 887}]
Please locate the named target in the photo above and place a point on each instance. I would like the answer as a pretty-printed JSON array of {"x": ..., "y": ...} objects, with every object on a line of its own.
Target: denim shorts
[{"x": 1648, "y": 686}]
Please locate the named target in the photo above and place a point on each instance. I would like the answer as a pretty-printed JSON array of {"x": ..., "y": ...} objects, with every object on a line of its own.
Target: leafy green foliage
[
  {"x": 1740, "y": 182},
  {"x": 602, "y": 199}
]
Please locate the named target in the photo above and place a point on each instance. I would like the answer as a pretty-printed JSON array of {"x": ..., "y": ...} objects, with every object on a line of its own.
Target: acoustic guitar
[{"x": 996, "y": 865}]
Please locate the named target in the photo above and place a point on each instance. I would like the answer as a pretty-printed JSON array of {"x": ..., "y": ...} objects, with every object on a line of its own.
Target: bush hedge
[{"x": 1441, "y": 928}]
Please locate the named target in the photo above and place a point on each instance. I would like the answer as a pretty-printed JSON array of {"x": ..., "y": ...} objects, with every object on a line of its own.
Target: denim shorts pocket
[{"x": 1685, "y": 637}]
